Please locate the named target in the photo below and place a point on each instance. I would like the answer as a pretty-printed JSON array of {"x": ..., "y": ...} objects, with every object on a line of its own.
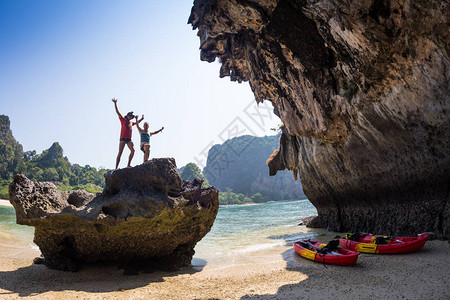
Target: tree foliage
[
  {"x": 50, "y": 165},
  {"x": 10, "y": 150},
  {"x": 240, "y": 164},
  {"x": 192, "y": 171},
  {"x": 228, "y": 198}
]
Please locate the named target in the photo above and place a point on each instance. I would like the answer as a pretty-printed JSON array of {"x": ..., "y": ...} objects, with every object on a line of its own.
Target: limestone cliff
[
  {"x": 240, "y": 164},
  {"x": 363, "y": 90},
  {"x": 145, "y": 218}
]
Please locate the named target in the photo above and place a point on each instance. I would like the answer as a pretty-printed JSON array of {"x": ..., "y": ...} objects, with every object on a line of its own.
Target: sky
[{"x": 61, "y": 63}]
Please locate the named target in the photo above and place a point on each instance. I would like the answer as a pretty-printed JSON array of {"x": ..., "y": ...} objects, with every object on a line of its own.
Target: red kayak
[
  {"x": 315, "y": 251},
  {"x": 368, "y": 243}
]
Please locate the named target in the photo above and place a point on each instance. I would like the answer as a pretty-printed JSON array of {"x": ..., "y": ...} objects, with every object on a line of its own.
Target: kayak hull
[
  {"x": 344, "y": 258},
  {"x": 399, "y": 245}
]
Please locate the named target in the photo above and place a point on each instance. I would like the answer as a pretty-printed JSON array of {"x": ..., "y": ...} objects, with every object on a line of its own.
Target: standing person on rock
[
  {"x": 125, "y": 134},
  {"x": 145, "y": 137}
]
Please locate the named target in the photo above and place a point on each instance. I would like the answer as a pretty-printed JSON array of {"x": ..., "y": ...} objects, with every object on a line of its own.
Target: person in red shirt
[{"x": 125, "y": 134}]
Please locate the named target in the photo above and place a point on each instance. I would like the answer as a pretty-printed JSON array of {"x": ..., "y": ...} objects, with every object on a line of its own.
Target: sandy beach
[
  {"x": 274, "y": 273},
  {"x": 278, "y": 273}
]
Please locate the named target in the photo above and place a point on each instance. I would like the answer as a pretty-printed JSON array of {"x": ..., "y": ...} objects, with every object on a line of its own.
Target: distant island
[{"x": 238, "y": 169}]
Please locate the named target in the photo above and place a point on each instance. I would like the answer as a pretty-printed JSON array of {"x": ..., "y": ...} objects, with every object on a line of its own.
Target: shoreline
[
  {"x": 258, "y": 269},
  {"x": 276, "y": 274},
  {"x": 260, "y": 203},
  {"x": 239, "y": 205},
  {"x": 5, "y": 202}
]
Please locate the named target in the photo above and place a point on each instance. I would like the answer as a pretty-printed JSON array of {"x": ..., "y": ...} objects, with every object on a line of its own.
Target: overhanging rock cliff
[
  {"x": 145, "y": 218},
  {"x": 362, "y": 88}
]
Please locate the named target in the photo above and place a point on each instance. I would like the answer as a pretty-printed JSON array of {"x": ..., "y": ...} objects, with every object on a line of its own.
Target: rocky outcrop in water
[
  {"x": 239, "y": 164},
  {"x": 145, "y": 218},
  {"x": 362, "y": 88}
]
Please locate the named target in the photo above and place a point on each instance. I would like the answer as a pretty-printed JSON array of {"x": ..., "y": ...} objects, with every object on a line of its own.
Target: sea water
[
  {"x": 237, "y": 230},
  {"x": 15, "y": 240},
  {"x": 8, "y": 227},
  {"x": 247, "y": 230}
]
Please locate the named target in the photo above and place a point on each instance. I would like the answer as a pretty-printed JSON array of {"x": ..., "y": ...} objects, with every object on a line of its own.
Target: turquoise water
[
  {"x": 8, "y": 226},
  {"x": 233, "y": 220},
  {"x": 237, "y": 229},
  {"x": 247, "y": 229},
  {"x": 15, "y": 240},
  {"x": 7, "y": 216}
]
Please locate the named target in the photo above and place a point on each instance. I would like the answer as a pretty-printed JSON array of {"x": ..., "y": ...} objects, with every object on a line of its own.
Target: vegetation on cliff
[
  {"x": 50, "y": 165},
  {"x": 192, "y": 171},
  {"x": 244, "y": 179},
  {"x": 238, "y": 169},
  {"x": 11, "y": 152},
  {"x": 239, "y": 164}
]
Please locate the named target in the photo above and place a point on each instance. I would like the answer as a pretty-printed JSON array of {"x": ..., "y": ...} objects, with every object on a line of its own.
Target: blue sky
[{"x": 62, "y": 62}]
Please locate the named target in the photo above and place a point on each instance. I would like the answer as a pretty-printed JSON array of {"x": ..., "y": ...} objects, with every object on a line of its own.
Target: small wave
[{"x": 259, "y": 247}]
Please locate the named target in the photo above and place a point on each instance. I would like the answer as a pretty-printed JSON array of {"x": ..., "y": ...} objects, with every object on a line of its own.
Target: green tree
[
  {"x": 240, "y": 164},
  {"x": 229, "y": 193},
  {"x": 50, "y": 165},
  {"x": 50, "y": 174},
  {"x": 11, "y": 152},
  {"x": 258, "y": 198},
  {"x": 192, "y": 171}
]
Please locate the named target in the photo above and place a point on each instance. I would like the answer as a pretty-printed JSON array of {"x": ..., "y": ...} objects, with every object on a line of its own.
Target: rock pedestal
[{"x": 145, "y": 218}]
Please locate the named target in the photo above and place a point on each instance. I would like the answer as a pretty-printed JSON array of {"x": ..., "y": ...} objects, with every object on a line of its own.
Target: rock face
[
  {"x": 146, "y": 217},
  {"x": 362, "y": 88},
  {"x": 240, "y": 164}
]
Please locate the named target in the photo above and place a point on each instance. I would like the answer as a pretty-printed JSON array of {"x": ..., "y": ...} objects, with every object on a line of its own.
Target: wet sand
[
  {"x": 4, "y": 202},
  {"x": 277, "y": 273}
]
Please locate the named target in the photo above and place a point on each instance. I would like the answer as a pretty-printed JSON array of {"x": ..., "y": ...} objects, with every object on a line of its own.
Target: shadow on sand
[
  {"x": 102, "y": 278},
  {"x": 388, "y": 276}
]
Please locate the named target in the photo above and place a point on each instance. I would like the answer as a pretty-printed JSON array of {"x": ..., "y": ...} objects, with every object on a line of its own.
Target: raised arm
[
  {"x": 115, "y": 106},
  {"x": 157, "y": 131},
  {"x": 137, "y": 124},
  {"x": 142, "y": 118}
]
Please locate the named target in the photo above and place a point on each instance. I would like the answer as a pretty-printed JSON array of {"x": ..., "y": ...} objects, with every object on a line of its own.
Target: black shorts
[
  {"x": 142, "y": 147},
  {"x": 125, "y": 140}
]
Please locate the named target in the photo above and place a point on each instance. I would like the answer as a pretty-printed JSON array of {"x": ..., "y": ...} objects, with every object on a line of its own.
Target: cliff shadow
[
  {"x": 34, "y": 279},
  {"x": 388, "y": 276}
]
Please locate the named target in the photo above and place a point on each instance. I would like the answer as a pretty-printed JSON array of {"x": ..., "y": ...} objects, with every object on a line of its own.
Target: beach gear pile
[{"x": 354, "y": 243}]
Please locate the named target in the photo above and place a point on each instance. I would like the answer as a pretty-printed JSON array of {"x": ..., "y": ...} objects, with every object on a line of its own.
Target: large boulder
[
  {"x": 146, "y": 216},
  {"x": 362, "y": 88}
]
